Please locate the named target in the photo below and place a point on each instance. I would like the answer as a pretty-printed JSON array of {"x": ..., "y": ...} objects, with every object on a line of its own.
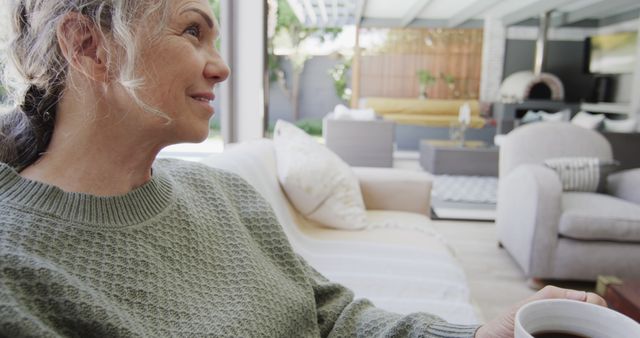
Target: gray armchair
[
  {"x": 553, "y": 234},
  {"x": 361, "y": 143}
]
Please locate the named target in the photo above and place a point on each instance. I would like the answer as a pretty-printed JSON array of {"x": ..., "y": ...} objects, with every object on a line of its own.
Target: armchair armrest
[
  {"x": 625, "y": 185},
  {"x": 395, "y": 189},
  {"x": 528, "y": 212}
]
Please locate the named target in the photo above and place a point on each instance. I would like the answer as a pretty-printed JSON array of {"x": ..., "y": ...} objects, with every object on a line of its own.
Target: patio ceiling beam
[
  {"x": 298, "y": 10},
  {"x": 470, "y": 12},
  {"x": 360, "y": 7},
  {"x": 334, "y": 10},
  {"x": 533, "y": 10},
  {"x": 413, "y": 12},
  {"x": 313, "y": 18},
  {"x": 417, "y": 23},
  {"x": 323, "y": 12},
  {"x": 598, "y": 10}
]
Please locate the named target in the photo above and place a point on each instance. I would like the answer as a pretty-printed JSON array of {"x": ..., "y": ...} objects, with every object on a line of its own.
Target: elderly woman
[{"x": 97, "y": 238}]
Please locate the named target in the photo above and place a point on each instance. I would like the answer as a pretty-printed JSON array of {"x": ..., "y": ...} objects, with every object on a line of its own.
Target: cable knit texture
[{"x": 193, "y": 252}]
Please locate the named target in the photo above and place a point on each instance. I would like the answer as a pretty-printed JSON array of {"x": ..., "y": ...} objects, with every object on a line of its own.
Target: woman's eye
[{"x": 193, "y": 30}]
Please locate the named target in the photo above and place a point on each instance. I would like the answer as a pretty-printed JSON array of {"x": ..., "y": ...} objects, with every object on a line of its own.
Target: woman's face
[{"x": 181, "y": 68}]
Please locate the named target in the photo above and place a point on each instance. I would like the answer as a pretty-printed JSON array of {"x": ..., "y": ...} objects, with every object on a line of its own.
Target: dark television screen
[{"x": 613, "y": 53}]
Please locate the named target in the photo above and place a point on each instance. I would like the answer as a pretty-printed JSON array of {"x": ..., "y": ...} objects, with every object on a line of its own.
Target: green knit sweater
[{"x": 194, "y": 252}]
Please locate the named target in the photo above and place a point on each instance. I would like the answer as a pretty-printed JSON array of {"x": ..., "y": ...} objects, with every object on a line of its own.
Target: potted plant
[
  {"x": 425, "y": 79},
  {"x": 450, "y": 80}
]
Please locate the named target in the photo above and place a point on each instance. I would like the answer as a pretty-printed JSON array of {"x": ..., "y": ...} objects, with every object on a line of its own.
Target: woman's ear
[{"x": 83, "y": 46}]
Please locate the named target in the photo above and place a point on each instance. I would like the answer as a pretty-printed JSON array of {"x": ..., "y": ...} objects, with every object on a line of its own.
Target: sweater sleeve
[
  {"x": 37, "y": 299},
  {"x": 339, "y": 315},
  {"x": 17, "y": 320}
]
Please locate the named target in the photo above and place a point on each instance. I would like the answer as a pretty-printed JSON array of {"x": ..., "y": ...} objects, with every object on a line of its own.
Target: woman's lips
[
  {"x": 205, "y": 96},
  {"x": 204, "y": 100}
]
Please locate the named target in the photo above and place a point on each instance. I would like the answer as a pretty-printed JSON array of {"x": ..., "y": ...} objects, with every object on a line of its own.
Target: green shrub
[{"x": 311, "y": 126}]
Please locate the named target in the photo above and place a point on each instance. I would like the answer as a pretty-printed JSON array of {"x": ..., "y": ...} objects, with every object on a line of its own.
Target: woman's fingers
[
  {"x": 551, "y": 292},
  {"x": 595, "y": 299},
  {"x": 575, "y": 295}
]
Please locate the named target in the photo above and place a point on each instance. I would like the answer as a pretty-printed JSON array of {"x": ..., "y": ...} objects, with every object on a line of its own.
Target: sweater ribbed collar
[{"x": 137, "y": 206}]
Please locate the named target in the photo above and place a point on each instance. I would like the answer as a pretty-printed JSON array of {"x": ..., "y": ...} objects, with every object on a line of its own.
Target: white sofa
[{"x": 402, "y": 269}]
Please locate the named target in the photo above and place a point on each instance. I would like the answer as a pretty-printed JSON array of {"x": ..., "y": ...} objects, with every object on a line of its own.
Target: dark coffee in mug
[{"x": 557, "y": 334}]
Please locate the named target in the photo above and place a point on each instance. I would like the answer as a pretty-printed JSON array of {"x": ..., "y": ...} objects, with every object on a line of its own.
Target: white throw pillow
[
  {"x": 586, "y": 120},
  {"x": 530, "y": 116},
  {"x": 582, "y": 173},
  {"x": 620, "y": 126},
  {"x": 319, "y": 184},
  {"x": 562, "y": 115},
  {"x": 341, "y": 112}
]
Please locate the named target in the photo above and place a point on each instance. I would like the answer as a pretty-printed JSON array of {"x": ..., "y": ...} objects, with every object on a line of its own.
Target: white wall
[
  {"x": 628, "y": 85},
  {"x": 635, "y": 86},
  {"x": 243, "y": 47},
  {"x": 493, "y": 49}
]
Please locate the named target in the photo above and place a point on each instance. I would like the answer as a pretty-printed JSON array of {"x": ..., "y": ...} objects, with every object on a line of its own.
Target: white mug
[{"x": 570, "y": 316}]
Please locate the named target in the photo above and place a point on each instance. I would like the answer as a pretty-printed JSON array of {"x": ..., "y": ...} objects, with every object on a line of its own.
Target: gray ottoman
[{"x": 446, "y": 158}]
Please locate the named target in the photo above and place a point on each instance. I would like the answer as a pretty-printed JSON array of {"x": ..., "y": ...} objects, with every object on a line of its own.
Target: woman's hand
[{"x": 503, "y": 326}]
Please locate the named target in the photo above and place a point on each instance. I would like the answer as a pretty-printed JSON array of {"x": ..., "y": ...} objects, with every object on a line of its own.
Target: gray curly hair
[{"x": 36, "y": 69}]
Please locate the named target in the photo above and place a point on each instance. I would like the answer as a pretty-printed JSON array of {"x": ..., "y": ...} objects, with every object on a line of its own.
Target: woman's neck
[
  {"x": 105, "y": 155},
  {"x": 79, "y": 164}
]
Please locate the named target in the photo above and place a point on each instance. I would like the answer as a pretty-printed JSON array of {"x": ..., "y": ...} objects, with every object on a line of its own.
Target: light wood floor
[{"x": 496, "y": 282}]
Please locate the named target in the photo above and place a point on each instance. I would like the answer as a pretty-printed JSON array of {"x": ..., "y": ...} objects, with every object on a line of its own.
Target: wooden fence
[{"x": 389, "y": 69}]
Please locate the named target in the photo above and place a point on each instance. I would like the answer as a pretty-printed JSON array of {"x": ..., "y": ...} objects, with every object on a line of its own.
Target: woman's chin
[
  {"x": 200, "y": 136},
  {"x": 192, "y": 136}
]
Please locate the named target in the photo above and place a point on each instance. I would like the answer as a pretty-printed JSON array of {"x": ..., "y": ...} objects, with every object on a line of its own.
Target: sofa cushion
[
  {"x": 406, "y": 267},
  {"x": 387, "y": 105},
  {"x": 627, "y": 125},
  {"x": 590, "y": 216},
  {"x": 432, "y": 112},
  {"x": 318, "y": 183},
  {"x": 407, "y": 229},
  {"x": 433, "y": 120}
]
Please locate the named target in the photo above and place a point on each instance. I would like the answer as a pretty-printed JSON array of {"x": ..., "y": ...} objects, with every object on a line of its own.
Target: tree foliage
[
  {"x": 287, "y": 23},
  {"x": 339, "y": 74},
  {"x": 215, "y": 6}
]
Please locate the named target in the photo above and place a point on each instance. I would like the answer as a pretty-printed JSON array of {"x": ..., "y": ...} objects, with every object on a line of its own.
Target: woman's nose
[{"x": 216, "y": 69}]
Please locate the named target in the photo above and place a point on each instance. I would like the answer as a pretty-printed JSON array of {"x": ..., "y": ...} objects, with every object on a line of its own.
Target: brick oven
[{"x": 530, "y": 90}]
